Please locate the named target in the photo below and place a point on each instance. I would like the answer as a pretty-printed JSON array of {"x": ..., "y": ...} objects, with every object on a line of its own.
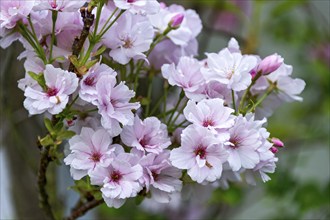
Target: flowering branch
[{"x": 88, "y": 19}]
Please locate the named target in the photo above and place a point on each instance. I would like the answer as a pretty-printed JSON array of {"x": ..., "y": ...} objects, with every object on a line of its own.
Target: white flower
[
  {"x": 231, "y": 69},
  {"x": 60, "y": 84},
  {"x": 129, "y": 38}
]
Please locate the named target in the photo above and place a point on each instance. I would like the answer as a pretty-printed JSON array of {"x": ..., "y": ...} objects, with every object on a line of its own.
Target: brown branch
[
  {"x": 88, "y": 19},
  {"x": 42, "y": 181},
  {"x": 83, "y": 208}
]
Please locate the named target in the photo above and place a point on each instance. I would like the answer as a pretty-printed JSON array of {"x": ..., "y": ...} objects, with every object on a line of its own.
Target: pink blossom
[
  {"x": 138, "y": 6},
  {"x": 129, "y": 38},
  {"x": 33, "y": 64},
  {"x": 168, "y": 52},
  {"x": 190, "y": 26},
  {"x": 231, "y": 69},
  {"x": 90, "y": 149},
  {"x": 243, "y": 144},
  {"x": 13, "y": 11},
  {"x": 113, "y": 104},
  {"x": 60, "y": 84},
  {"x": 210, "y": 113},
  {"x": 119, "y": 180},
  {"x": 87, "y": 90},
  {"x": 59, "y": 5},
  {"x": 160, "y": 177},
  {"x": 200, "y": 153},
  {"x": 277, "y": 142},
  {"x": 186, "y": 75},
  {"x": 149, "y": 135}
]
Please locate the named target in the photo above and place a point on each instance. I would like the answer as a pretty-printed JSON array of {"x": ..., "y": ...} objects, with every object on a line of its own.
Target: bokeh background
[{"x": 299, "y": 30}]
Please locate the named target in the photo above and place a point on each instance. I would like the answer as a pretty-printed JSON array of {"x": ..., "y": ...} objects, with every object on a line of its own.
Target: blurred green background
[{"x": 300, "y": 188}]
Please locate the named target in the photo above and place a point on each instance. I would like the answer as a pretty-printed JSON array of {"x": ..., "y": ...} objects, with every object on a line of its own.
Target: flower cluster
[{"x": 130, "y": 134}]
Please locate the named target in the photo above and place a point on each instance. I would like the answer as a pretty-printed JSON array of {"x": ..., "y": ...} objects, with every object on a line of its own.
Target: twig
[
  {"x": 42, "y": 180},
  {"x": 85, "y": 207},
  {"x": 88, "y": 19}
]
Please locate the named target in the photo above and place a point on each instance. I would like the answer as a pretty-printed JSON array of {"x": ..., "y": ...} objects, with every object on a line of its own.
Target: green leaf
[
  {"x": 49, "y": 125},
  {"x": 39, "y": 78},
  {"x": 63, "y": 135},
  {"x": 46, "y": 141}
]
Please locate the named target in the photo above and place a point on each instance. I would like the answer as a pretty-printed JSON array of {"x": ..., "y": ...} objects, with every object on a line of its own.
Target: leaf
[
  {"x": 39, "y": 78},
  {"x": 63, "y": 135},
  {"x": 49, "y": 125},
  {"x": 46, "y": 141}
]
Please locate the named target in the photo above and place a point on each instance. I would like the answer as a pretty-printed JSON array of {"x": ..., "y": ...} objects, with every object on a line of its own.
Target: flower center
[
  {"x": 115, "y": 176},
  {"x": 208, "y": 122},
  {"x": 200, "y": 150},
  {"x": 96, "y": 156},
  {"x": 127, "y": 43},
  {"x": 154, "y": 175},
  {"x": 130, "y": 1},
  {"x": 53, "y": 4},
  {"x": 51, "y": 92},
  {"x": 89, "y": 81},
  {"x": 234, "y": 143},
  {"x": 144, "y": 141}
]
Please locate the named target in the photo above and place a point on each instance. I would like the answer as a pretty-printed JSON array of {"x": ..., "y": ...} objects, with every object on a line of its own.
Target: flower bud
[
  {"x": 274, "y": 150},
  {"x": 277, "y": 142},
  {"x": 269, "y": 64},
  {"x": 176, "y": 20}
]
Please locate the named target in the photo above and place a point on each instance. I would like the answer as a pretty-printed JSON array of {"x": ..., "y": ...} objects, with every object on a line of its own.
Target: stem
[
  {"x": 263, "y": 97},
  {"x": 98, "y": 15},
  {"x": 105, "y": 24},
  {"x": 53, "y": 40},
  {"x": 176, "y": 107},
  {"x": 180, "y": 111},
  {"x": 85, "y": 207},
  {"x": 254, "y": 80},
  {"x": 107, "y": 28},
  {"x": 150, "y": 81},
  {"x": 179, "y": 125},
  {"x": 42, "y": 181},
  {"x": 152, "y": 46},
  {"x": 234, "y": 103}
]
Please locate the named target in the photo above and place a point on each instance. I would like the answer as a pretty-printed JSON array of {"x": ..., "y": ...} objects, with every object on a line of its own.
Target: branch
[
  {"x": 88, "y": 19},
  {"x": 42, "y": 180},
  {"x": 83, "y": 208}
]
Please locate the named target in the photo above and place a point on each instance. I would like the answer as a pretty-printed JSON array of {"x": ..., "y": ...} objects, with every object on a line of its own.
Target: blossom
[
  {"x": 231, "y": 69},
  {"x": 89, "y": 150},
  {"x": 119, "y": 180},
  {"x": 186, "y": 75},
  {"x": 189, "y": 28},
  {"x": 87, "y": 90},
  {"x": 243, "y": 144},
  {"x": 209, "y": 113},
  {"x": 33, "y": 64},
  {"x": 60, "y": 84},
  {"x": 138, "y": 6},
  {"x": 200, "y": 153},
  {"x": 13, "y": 11},
  {"x": 159, "y": 176},
  {"x": 59, "y": 5},
  {"x": 168, "y": 52},
  {"x": 129, "y": 38},
  {"x": 113, "y": 104},
  {"x": 149, "y": 135}
]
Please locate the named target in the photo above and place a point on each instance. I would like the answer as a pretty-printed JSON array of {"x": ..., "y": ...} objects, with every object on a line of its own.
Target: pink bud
[
  {"x": 269, "y": 64},
  {"x": 277, "y": 142},
  {"x": 274, "y": 150},
  {"x": 162, "y": 5},
  {"x": 176, "y": 20}
]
